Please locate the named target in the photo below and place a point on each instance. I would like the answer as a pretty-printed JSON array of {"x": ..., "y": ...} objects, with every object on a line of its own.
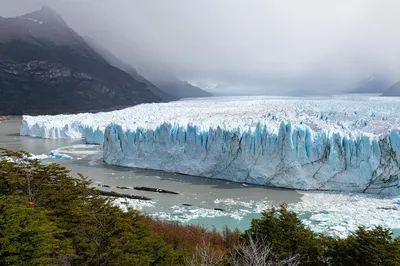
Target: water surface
[{"x": 239, "y": 202}]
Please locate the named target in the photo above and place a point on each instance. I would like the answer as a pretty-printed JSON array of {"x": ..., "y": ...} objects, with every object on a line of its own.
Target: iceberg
[
  {"x": 58, "y": 155},
  {"x": 40, "y": 157},
  {"x": 339, "y": 214},
  {"x": 328, "y": 143}
]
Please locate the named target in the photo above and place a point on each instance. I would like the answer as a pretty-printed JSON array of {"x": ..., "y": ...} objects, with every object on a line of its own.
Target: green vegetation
[{"x": 48, "y": 217}]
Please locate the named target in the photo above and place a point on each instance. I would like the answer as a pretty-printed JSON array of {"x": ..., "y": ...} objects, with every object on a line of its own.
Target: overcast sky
[{"x": 327, "y": 44}]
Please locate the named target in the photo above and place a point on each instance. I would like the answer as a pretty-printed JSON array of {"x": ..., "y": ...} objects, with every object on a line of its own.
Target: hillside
[
  {"x": 172, "y": 85},
  {"x": 47, "y": 68},
  {"x": 161, "y": 82}
]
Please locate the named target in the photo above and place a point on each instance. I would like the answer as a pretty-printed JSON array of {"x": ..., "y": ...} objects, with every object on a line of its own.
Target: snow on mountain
[
  {"x": 376, "y": 83},
  {"x": 340, "y": 143},
  {"x": 205, "y": 85}
]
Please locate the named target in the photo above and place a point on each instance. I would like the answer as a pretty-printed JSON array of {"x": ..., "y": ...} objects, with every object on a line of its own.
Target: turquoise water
[
  {"x": 396, "y": 232},
  {"x": 220, "y": 222}
]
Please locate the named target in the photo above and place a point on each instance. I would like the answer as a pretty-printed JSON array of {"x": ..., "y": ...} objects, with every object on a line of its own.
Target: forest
[{"x": 49, "y": 217}]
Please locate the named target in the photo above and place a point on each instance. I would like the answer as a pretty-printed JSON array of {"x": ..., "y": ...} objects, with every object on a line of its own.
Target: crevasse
[{"x": 292, "y": 157}]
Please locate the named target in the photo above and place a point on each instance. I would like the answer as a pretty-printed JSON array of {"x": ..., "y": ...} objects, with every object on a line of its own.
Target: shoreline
[{"x": 10, "y": 117}]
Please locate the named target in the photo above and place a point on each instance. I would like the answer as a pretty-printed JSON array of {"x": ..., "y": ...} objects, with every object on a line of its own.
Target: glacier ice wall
[
  {"x": 55, "y": 128},
  {"x": 342, "y": 143},
  {"x": 347, "y": 115},
  {"x": 292, "y": 157}
]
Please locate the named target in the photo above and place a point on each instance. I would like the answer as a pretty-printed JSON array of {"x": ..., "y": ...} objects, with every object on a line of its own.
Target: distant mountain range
[
  {"x": 47, "y": 68},
  {"x": 393, "y": 90},
  {"x": 373, "y": 84},
  {"x": 377, "y": 84},
  {"x": 163, "y": 83}
]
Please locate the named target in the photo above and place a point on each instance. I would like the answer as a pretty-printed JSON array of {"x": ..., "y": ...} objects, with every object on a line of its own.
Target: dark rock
[
  {"x": 156, "y": 190},
  {"x": 388, "y": 208},
  {"x": 218, "y": 209},
  {"x": 188, "y": 205},
  {"x": 105, "y": 186},
  {"x": 122, "y": 187},
  {"x": 119, "y": 195}
]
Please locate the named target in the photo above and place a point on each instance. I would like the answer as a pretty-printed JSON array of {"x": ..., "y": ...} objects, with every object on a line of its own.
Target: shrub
[{"x": 366, "y": 247}]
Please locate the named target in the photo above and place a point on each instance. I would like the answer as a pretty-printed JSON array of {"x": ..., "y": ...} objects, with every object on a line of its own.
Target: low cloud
[{"x": 270, "y": 45}]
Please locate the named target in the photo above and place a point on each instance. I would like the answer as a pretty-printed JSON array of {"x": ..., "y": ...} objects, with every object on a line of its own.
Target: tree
[
  {"x": 27, "y": 236},
  {"x": 287, "y": 236},
  {"x": 107, "y": 236},
  {"x": 69, "y": 208},
  {"x": 366, "y": 247}
]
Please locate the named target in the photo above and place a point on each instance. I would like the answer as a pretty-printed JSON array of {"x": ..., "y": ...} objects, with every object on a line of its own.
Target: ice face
[
  {"x": 295, "y": 157},
  {"x": 342, "y": 143}
]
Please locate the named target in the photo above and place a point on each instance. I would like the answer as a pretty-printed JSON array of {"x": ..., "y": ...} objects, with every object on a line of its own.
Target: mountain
[
  {"x": 393, "y": 90},
  {"x": 374, "y": 84},
  {"x": 161, "y": 82},
  {"x": 171, "y": 84},
  {"x": 118, "y": 63},
  {"x": 47, "y": 68}
]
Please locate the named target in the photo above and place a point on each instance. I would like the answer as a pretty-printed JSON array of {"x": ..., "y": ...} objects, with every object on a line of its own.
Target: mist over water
[{"x": 250, "y": 47}]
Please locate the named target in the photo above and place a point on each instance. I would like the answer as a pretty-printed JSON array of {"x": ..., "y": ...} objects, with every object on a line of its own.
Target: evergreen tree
[
  {"x": 27, "y": 236},
  {"x": 97, "y": 232},
  {"x": 287, "y": 235},
  {"x": 366, "y": 247}
]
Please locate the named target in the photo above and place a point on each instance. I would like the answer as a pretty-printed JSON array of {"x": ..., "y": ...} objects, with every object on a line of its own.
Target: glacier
[{"x": 345, "y": 143}]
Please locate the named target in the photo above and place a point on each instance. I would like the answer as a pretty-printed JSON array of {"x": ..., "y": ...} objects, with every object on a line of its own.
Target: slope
[
  {"x": 393, "y": 90},
  {"x": 118, "y": 63},
  {"x": 47, "y": 68}
]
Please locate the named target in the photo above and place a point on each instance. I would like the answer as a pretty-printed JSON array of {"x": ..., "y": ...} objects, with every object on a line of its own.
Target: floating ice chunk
[
  {"x": 124, "y": 203},
  {"x": 57, "y": 155},
  {"x": 40, "y": 157},
  {"x": 31, "y": 157},
  {"x": 338, "y": 214},
  {"x": 321, "y": 217},
  {"x": 185, "y": 214}
]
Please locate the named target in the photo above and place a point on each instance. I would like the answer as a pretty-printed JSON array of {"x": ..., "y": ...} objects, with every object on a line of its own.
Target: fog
[{"x": 255, "y": 45}]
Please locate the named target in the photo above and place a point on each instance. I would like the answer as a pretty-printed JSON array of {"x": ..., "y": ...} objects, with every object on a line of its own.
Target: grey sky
[{"x": 328, "y": 43}]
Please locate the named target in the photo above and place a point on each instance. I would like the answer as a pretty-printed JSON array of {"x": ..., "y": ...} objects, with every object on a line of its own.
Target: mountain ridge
[
  {"x": 169, "y": 87},
  {"x": 47, "y": 68},
  {"x": 393, "y": 90}
]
